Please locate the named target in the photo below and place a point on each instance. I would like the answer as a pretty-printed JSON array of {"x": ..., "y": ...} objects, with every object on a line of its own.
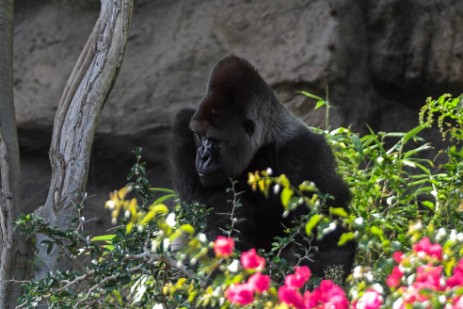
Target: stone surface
[{"x": 377, "y": 59}]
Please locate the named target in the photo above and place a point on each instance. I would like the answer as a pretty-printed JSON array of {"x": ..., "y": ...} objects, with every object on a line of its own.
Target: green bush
[{"x": 158, "y": 257}]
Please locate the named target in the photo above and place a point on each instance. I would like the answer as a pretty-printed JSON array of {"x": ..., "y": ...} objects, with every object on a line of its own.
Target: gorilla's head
[{"x": 228, "y": 123}]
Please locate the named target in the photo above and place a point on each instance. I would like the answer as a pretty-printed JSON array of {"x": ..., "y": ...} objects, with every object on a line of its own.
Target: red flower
[
  {"x": 330, "y": 295},
  {"x": 457, "y": 278},
  {"x": 290, "y": 296},
  {"x": 223, "y": 246},
  {"x": 260, "y": 283},
  {"x": 299, "y": 278},
  {"x": 428, "y": 277},
  {"x": 393, "y": 280},
  {"x": 250, "y": 260},
  {"x": 241, "y": 294},
  {"x": 397, "y": 256},
  {"x": 425, "y": 246}
]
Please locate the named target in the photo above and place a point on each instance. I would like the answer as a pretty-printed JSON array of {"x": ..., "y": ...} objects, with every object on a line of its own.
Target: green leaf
[
  {"x": 188, "y": 228},
  {"x": 345, "y": 237},
  {"x": 320, "y": 104},
  {"x": 164, "y": 198},
  {"x": 412, "y": 133},
  {"x": 128, "y": 228},
  {"x": 49, "y": 243},
  {"x": 107, "y": 237},
  {"x": 357, "y": 144},
  {"x": 310, "y": 95},
  {"x": 428, "y": 204},
  {"x": 338, "y": 211},
  {"x": 312, "y": 223},
  {"x": 286, "y": 195},
  {"x": 163, "y": 190},
  {"x": 416, "y": 150},
  {"x": 376, "y": 231}
]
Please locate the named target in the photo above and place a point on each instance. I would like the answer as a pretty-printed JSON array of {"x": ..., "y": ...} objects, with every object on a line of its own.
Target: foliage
[{"x": 406, "y": 216}]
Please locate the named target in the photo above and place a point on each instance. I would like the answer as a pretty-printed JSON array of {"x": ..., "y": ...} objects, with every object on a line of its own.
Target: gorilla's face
[{"x": 224, "y": 140}]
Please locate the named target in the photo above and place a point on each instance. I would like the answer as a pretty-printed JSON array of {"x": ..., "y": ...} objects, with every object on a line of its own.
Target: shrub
[{"x": 406, "y": 216}]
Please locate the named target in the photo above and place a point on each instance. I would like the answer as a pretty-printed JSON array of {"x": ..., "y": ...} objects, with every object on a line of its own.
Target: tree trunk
[
  {"x": 12, "y": 254},
  {"x": 76, "y": 121}
]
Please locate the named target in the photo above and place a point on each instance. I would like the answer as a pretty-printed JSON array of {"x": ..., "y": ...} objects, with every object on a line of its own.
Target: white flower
[
  {"x": 202, "y": 237},
  {"x": 441, "y": 233},
  {"x": 233, "y": 267},
  {"x": 397, "y": 304},
  {"x": 358, "y": 272},
  {"x": 166, "y": 243},
  {"x": 442, "y": 299},
  {"x": 170, "y": 220},
  {"x": 358, "y": 221},
  {"x": 111, "y": 204},
  {"x": 389, "y": 200},
  {"x": 378, "y": 288},
  {"x": 453, "y": 235},
  {"x": 330, "y": 228}
]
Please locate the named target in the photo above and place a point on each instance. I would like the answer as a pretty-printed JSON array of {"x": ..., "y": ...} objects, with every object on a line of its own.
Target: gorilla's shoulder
[{"x": 305, "y": 144}]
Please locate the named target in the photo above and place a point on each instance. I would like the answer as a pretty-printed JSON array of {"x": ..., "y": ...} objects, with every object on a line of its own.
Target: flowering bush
[
  {"x": 429, "y": 274},
  {"x": 406, "y": 216}
]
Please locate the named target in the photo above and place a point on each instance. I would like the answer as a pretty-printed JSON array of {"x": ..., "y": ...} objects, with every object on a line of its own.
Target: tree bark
[
  {"x": 76, "y": 120},
  {"x": 12, "y": 254}
]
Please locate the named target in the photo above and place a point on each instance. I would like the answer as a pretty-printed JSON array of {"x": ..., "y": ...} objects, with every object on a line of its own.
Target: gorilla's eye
[{"x": 248, "y": 126}]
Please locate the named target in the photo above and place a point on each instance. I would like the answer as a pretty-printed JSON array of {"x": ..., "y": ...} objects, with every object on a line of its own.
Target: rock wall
[{"x": 377, "y": 59}]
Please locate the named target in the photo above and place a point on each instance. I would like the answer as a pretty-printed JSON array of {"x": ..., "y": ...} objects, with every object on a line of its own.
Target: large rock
[{"x": 376, "y": 59}]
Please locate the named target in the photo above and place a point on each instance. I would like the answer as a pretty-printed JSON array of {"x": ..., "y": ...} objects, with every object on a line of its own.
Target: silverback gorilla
[{"x": 241, "y": 127}]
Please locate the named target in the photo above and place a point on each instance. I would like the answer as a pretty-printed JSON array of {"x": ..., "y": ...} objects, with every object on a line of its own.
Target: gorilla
[{"x": 241, "y": 127}]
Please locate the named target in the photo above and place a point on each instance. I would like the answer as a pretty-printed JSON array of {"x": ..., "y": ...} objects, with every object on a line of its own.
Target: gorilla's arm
[
  {"x": 307, "y": 156},
  {"x": 183, "y": 156}
]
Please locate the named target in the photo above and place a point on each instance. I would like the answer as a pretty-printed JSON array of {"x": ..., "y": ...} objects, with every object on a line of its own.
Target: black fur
[{"x": 251, "y": 131}]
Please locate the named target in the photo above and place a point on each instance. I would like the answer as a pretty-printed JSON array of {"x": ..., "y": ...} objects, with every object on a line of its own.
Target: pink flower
[
  {"x": 428, "y": 277},
  {"x": 299, "y": 278},
  {"x": 241, "y": 294},
  {"x": 457, "y": 278},
  {"x": 457, "y": 303},
  {"x": 223, "y": 246},
  {"x": 398, "y": 256},
  {"x": 371, "y": 299},
  {"x": 425, "y": 246},
  {"x": 259, "y": 283},
  {"x": 411, "y": 295},
  {"x": 250, "y": 260},
  {"x": 393, "y": 280},
  {"x": 310, "y": 300},
  {"x": 303, "y": 271},
  {"x": 290, "y": 296},
  {"x": 329, "y": 295}
]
